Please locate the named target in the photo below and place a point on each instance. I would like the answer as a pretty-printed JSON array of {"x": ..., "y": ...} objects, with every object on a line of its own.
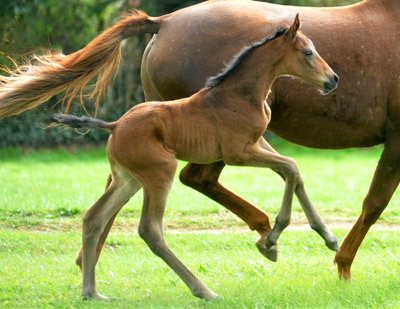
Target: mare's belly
[{"x": 343, "y": 119}]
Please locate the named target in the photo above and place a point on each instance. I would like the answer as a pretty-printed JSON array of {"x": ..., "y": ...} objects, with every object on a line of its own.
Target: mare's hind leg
[
  {"x": 316, "y": 222},
  {"x": 122, "y": 187},
  {"x": 156, "y": 186},
  {"x": 204, "y": 178}
]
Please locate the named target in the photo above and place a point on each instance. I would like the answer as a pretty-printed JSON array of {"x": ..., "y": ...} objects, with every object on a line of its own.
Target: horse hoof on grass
[
  {"x": 270, "y": 251},
  {"x": 95, "y": 296},
  {"x": 207, "y": 294},
  {"x": 344, "y": 268},
  {"x": 333, "y": 245}
]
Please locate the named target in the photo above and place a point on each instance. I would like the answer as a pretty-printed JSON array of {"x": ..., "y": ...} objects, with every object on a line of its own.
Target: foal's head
[{"x": 303, "y": 61}]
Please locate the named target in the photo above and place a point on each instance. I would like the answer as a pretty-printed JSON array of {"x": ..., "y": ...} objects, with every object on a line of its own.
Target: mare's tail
[
  {"x": 83, "y": 122},
  {"x": 33, "y": 84}
]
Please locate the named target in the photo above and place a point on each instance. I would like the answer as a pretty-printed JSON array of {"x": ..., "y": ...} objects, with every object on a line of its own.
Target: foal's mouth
[{"x": 330, "y": 85}]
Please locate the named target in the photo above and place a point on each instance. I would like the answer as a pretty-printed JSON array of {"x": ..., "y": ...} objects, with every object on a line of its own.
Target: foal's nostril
[{"x": 335, "y": 78}]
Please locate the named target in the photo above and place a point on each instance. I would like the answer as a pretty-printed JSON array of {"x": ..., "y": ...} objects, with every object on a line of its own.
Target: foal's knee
[
  {"x": 91, "y": 229},
  {"x": 282, "y": 222},
  {"x": 291, "y": 171},
  {"x": 153, "y": 239}
]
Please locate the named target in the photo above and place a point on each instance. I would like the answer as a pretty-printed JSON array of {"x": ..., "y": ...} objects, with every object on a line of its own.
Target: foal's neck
[{"x": 251, "y": 81}]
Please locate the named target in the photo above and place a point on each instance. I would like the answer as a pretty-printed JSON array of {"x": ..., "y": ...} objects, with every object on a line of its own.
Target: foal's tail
[
  {"x": 33, "y": 84},
  {"x": 83, "y": 122}
]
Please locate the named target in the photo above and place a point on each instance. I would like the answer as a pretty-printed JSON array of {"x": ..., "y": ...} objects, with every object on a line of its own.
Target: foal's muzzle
[{"x": 330, "y": 85}]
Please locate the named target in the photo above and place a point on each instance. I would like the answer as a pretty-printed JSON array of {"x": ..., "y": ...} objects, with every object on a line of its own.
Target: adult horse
[{"x": 359, "y": 41}]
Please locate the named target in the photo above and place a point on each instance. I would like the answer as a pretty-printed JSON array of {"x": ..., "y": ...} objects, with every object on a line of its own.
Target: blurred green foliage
[{"x": 29, "y": 26}]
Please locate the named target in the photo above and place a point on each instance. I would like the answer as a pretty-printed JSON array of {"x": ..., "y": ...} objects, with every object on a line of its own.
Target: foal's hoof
[
  {"x": 90, "y": 296},
  {"x": 332, "y": 244},
  {"x": 210, "y": 296},
  {"x": 206, "y": 294},
  {"x": 270, "y": 251}
]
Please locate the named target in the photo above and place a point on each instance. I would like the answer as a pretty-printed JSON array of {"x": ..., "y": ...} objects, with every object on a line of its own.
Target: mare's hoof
[
  {"x": 270, "y": 251},
  {"x": 343, "y": 267}
]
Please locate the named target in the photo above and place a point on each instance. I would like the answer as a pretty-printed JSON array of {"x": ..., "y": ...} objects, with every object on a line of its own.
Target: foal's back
[{"x": 187, "y": 128}]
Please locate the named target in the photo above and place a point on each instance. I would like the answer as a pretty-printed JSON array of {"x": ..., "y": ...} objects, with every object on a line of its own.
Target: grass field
[{"x": 45, "y": 192}]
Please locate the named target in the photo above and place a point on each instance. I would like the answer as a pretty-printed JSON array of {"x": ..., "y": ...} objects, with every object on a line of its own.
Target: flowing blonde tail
[{"x": 33, "y": 84}]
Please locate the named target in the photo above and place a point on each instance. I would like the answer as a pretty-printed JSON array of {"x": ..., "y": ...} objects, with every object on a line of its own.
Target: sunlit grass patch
[{"x": 38, "y": 270}]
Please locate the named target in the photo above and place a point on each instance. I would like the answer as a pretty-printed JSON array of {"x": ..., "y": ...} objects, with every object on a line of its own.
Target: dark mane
[{"x": 239, "y": 57}]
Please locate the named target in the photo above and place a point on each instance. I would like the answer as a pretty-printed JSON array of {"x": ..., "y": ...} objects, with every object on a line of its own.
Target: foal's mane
[{"x": 238, "y": 59}]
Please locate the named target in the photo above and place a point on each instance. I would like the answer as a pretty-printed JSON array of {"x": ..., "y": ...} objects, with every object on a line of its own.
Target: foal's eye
[{"x": 308, "y": 53}]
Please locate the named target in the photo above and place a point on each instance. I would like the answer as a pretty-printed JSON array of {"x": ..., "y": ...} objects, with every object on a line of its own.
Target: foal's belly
[
  {"x": 191, "y": 136},
  {"x": 197, "y": 146}
]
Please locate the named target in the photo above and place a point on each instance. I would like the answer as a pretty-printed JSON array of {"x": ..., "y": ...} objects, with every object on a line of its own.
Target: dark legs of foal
[{"x": 384, "y": 183}]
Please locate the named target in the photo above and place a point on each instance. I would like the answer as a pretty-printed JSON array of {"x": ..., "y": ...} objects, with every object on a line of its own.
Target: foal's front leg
[
  {"x": 263, "y": 155},
  {"x": 315, "y": 221},
  {"x": 254, "y": 155}
]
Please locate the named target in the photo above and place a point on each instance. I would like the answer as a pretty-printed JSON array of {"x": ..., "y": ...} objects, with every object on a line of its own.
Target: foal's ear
[{"x": 294, "y": 28}]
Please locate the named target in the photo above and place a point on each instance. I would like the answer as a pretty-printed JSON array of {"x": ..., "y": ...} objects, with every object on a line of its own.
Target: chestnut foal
[{"x": 223, "y": 121}]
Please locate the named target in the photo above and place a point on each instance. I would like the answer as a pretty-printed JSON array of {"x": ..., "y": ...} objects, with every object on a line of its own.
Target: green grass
[
  {"x": 44, "y": 194},
  {"x": 37, "y": 270}
]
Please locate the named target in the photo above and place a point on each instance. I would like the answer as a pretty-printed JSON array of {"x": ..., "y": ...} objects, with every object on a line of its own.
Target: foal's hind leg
[
  {"x": 103, "y": 235},
  {"x": 156, "y": 186},
  {"x": 204, "y": 178},
  {"x": 95, "y": 220},
  {"x": 316, "y": 222}
]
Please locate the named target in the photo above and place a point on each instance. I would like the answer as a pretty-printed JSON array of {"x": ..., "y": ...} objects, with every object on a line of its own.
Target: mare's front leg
[
  {"x": 204, "y": 178},
  {"x": 315, "y": 221},
  {"x": 384, "y": 183}
]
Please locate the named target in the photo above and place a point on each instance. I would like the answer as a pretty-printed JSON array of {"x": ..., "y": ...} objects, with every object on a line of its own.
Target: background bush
[{"x": 33, "y": 25}]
